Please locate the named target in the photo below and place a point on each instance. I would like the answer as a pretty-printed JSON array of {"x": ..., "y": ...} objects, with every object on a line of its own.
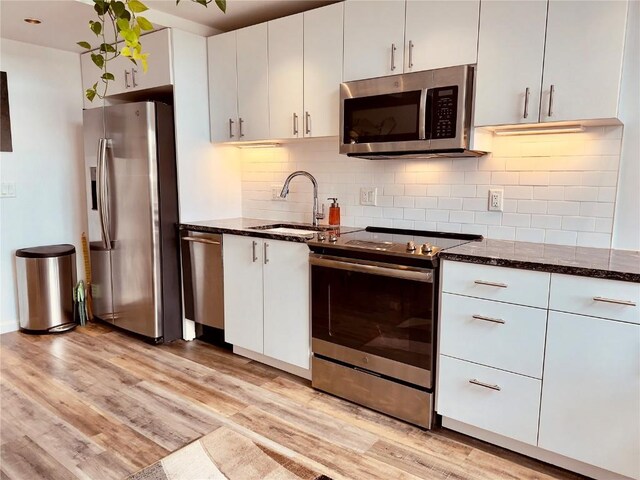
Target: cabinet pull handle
[
  {"x": 491, "y": 284},
  {"x": 488, "y": 319},
  {"x": 393, "y": 57},
  {"x": 200, "y": 240},
  {"x": 307, "y": 123},
  {"x": 485, "y": 385},
  {"x": 133, "y": 76},
  {"x": 231, "y": 122},
  {"x": 254, "y": 245},
  {"x": 126, "y": 79},
  {"x": 240, "y": 122},
  {"x": 266, "y": 253},
  {"x": 527, "y": 93},
  {"x": 551, "y": 92},
  {"x": 627, "y": 303},
  {"x": 410, "y": 54},
  {"x": 295, "y": 124}
]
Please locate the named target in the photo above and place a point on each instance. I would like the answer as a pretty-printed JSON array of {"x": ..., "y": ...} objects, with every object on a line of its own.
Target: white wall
[
  {"x": 558, "y": 188},
  {"x": 208, "y": 175},
  {"x": 46, "y": 163},
  {"x": 626, "y": 227}
]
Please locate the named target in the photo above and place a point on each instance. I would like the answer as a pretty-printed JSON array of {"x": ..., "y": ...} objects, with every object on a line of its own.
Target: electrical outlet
[
  {"x": 7, "y": 190},
  {"x": 275, "y": 193},
  {"x": 368, "y": 196},
  {"x": 496, "y": 196}
]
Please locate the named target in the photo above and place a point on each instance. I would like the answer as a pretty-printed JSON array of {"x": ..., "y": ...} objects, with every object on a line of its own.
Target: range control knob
[
  {"x": 426, "y": 248},
  {"x": 322, "y": 236},
  {"x": 411, "y": 247},
  {"x": 333, "y": 238}
]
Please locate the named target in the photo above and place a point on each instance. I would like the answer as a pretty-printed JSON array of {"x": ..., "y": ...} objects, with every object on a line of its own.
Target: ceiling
[{"x": 65, "y": 22}]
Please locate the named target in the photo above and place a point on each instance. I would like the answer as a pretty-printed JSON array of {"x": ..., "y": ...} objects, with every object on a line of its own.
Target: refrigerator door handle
[{"x": 103, "y": 200}]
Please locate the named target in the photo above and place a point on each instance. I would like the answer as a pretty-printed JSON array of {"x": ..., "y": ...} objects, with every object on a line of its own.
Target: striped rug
[{"x": 226, "y": 455}]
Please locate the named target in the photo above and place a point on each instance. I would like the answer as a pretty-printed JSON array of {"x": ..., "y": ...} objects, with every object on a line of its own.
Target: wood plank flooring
[{"x": 99, "y": 404}]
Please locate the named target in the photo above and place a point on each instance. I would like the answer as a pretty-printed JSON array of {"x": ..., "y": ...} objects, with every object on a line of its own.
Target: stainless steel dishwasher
[{"x": 202, "y": 278}]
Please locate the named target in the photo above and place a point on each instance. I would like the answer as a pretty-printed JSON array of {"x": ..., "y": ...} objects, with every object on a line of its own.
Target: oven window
[
  {"x": 382, "y": 118},
  {"x": 383, "y": 316}
]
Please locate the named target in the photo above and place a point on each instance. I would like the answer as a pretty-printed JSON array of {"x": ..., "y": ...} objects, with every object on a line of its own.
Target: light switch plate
[
  {"x": 496, "y": 199},
  {"x": 275, "y": 193},
  {"x": 368, "y": 196},
  {"x": 8, "y": 190}
]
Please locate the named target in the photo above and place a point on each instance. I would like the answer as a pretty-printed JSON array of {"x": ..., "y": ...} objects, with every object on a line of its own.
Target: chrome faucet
[{"x": 285, "y": 191}]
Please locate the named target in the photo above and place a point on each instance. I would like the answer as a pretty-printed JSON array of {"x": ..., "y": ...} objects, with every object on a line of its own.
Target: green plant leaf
[
  {"x": 100, "y": 6},
  {"x": 125, "y": 52},
  {"x": 90, "y": 94},
  {"x": 96, "y": 27},
  {"x": 136, "y": 6},
  {"x": 98, "y": 60},
  {"x": 177, "y": 2},
  {"x": 144, "y": 23},
  {"x": 107, "y": 76},
  {"x": 85, "y": 45},
  {"x": 205, "y": 3},
  {"x": 106, "y": 47},
  {"x": 118, "y": 8},
  {"x": 222, "y": 5},
  {"x": 123, "y": 25},
  {"x": 130, "y": 37}
]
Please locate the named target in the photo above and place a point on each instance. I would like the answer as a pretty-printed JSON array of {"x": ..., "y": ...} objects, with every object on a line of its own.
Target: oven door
[{"x": 375, "y": 316}]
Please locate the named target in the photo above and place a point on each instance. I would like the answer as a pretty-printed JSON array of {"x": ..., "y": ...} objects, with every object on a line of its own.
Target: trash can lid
[{"x": 46, "y": 251}]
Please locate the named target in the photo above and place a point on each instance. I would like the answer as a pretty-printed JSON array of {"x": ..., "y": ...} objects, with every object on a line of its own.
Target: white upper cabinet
[
  {"x": 253, "y": 83},
  {"x": 223, "y": 87},
  {"x": 373, "y": 38},
  {"x": 286, "y": 76},
  {"x": 510, "y": 56},
  {"x": 440, "y": 34},
  {"x": 323, "y": 43},
  {"x": 583, "y": 60}
]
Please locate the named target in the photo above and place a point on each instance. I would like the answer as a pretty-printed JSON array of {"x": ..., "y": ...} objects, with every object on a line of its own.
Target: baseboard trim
[
  {"x": 272, "y": 362},
  {"x": 532, "y": 451}
]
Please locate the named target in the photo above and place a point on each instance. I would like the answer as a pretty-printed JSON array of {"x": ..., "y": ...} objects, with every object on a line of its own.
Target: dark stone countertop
[
  {"x": 591, "y": 262},
  {"x": 247, "y": 227}
]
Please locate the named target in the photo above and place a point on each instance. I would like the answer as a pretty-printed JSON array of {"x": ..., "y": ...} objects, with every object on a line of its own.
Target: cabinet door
[
  {"x": 591, "y": 392},
  {"x": 442, "y": 34},
  {"x": 243, "y": 292},
  {"x": 323, "y": 43},
  {"x": 510, "y": 55},
  {"x": 286, "y": 302},
  {"x": 286, "y": 77},
  {"x": 253, "y": 83},
  {"x": 223, "y": 87},
  {"x": 373, "y": 38},
  {"x": 583, "y": 60},
  {"x": 158, "y": 46}
]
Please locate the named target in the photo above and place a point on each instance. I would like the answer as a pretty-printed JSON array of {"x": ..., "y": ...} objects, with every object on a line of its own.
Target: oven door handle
[{"x": 373, "y": 268}]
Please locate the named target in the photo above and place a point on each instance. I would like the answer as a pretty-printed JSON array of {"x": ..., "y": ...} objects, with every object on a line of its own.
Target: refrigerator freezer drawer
[{"x": 203, "y": 278}]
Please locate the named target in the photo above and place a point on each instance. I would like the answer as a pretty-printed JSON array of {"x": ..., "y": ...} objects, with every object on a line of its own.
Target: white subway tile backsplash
[{"x": 557, "y": 188}]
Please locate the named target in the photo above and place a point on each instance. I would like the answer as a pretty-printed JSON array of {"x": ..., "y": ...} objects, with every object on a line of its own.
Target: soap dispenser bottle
[{"x": 334, "y": 211}]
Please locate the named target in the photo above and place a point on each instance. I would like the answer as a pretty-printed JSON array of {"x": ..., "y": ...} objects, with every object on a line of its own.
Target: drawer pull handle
[
  {"x": 485, "y": 385},
  {"x": 628, "y": 303},
  {"x": 491, "y": 284},
  {"x": 489, "y": 319}
]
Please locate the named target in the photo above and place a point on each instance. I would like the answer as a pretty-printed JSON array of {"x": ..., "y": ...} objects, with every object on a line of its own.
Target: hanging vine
[{"x": 118, "y": 30}]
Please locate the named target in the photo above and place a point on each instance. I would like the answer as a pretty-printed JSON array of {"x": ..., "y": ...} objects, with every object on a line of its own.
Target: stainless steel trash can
[{"x": 46, "y": 277}]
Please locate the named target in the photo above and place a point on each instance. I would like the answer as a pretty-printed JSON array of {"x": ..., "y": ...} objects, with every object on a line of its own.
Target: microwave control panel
[{"x": 442, "y": 112}]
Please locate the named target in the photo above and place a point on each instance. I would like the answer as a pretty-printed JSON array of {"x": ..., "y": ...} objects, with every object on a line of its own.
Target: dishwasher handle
[{"x": 201, "y": 240}]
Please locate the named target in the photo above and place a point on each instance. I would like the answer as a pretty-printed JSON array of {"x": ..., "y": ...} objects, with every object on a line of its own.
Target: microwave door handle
[{"x": 422, "y": 131}]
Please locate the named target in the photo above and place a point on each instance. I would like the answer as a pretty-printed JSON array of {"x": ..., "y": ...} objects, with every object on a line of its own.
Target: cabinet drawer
[
  {"x": 511, "y": 411},
  {"x": 510, "y": 285},
  {"x": 500, "y": 335},
  {"x": 596, "y": 297}
]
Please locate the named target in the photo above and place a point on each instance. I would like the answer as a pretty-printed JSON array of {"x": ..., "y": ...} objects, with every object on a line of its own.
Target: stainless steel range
[{"x": 374, "y": 304}]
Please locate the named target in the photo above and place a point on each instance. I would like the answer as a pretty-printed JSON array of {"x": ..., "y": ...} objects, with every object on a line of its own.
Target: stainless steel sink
[{"x": 289, "y": 229}]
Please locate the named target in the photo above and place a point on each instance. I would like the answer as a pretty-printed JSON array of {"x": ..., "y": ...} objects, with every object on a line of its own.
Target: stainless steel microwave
[{"x": 414, "y": 115}]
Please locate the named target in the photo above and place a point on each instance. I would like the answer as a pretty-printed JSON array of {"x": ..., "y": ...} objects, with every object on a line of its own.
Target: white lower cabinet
[
  {"x": 488, "y": 398},
  {"x": 591, "y": 392},
  {"x": 266, "y": 297}
]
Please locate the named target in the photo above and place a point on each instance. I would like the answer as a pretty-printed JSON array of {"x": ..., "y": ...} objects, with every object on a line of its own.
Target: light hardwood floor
[{"x": 96, "y": 403}]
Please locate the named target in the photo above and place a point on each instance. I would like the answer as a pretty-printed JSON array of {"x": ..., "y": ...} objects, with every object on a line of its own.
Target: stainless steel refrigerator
[{"x": 133, "y": 214}]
